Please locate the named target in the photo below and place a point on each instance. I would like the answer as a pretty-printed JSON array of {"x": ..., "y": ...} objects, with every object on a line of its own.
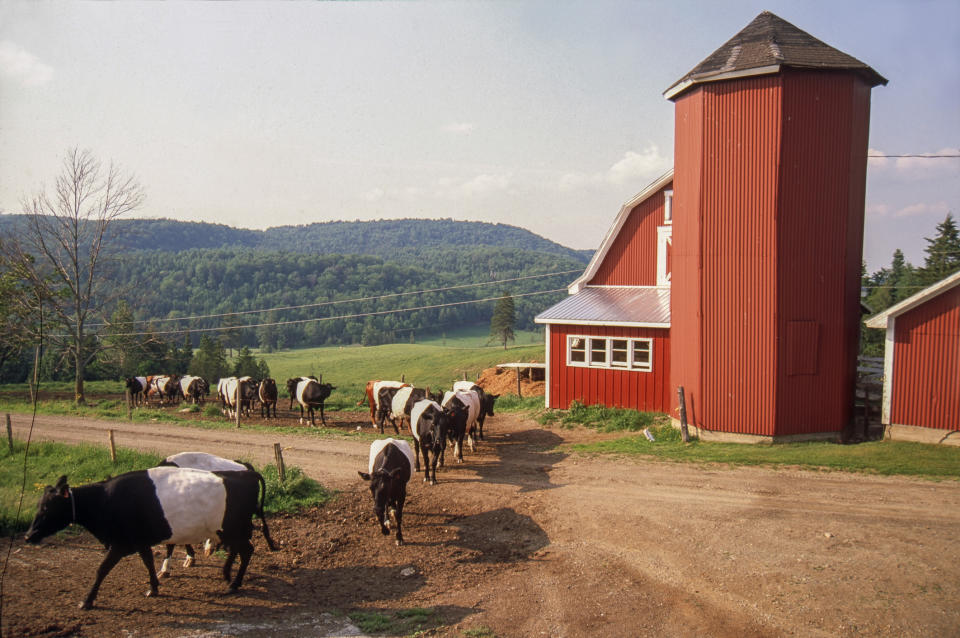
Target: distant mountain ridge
[{"x": 384, "y": 238}]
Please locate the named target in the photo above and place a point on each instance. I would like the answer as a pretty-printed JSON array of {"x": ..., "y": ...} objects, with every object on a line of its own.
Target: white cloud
[
  {"x": 483, "y": 185},
  {"x": 374, "y": 195},
  {"x": 921, "y": 166},
  {"x": 21, "y": 65},
  {"x": 458, "y": 128},
  {"x": 922, "y": 208},
  {"x": 635, "y": 169},
  {"x": 877, "y": 210}
]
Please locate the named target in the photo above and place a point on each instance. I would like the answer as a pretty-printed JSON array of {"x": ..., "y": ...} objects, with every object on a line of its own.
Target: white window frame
[
  {"x": 589, "y": 345},
  {"x": 667, "y": 207}
]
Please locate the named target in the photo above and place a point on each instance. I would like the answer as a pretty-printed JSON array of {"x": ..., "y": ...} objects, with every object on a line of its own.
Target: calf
[
  {"x": 193, "y": 389},
  {"x": 390, "y": 468},
  {"x": 429, "y": 424},
  {"x": 372, "y": 396},
  {"x": 132, "y": 512},
  {"x": 209, "y": 463},
  {"x": 486, "y": 402},
  {"x": 310, "y": 394},
  {"x": 268, "y": 396},
  {"x": 136, "y": 386},
  {"x": 467, "y": 419}
]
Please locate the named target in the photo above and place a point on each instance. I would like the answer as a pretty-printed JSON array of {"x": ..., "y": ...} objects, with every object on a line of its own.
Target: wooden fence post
[
  {"x": 281, "y": 469},
  {"x": 683, "y": 416},
  {"x": 113, "y": 449},
  {"x": 9, "y": 434},
  {"x": 403, "y": 378},
  {"x": 519, "y": 395},
  {"x": 236, "y": 404},
  {"x": 129, "y": 405}
]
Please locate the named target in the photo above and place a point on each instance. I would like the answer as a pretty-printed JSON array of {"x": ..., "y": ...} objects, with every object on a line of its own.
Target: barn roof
[
  {"x": 638, "y": 307},
  {"x": 580, "y": 282},
  {"x": 764, "y": 46},
  {"x": 937, "y": 289}
]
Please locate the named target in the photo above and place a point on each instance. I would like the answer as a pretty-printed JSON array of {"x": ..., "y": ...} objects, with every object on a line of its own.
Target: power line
[
  {"x": 330, "y": 303},
  {"x": 919, "y": 156},
  {"x": 351, "y": 316}
]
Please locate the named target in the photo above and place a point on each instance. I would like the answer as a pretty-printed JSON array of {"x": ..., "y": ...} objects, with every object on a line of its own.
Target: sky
[{"x": 544, "y": 115}]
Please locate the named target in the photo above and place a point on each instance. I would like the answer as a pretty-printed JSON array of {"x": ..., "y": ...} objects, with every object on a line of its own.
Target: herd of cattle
[
  {"x": 194, "y": 497},
  {"x": 234, "y": 393}
]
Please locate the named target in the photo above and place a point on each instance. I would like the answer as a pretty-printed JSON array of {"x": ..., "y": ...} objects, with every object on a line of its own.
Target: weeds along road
[{"x": 555, "y": 543}]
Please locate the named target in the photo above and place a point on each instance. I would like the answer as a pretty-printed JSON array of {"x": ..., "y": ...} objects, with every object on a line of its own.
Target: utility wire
[
  {"x": 350, "y": 316},
  {"x": 338, "y": 301}
]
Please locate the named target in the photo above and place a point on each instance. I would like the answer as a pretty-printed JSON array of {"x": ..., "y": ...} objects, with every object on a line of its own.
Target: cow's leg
[
  {"x": 301, "y": 415},
  {"x": 246, "y": 551},
  {"x": 323, "y": 420},
  {"x": 431, "y": 464},
  {"x": 109, "y": 562},
  {"x": 312, "y": 416},
  {"x": 165, "y": 565},
  {"x": 398, "y": 513},
  {"x": 146, "y": 555},
  {"x": 416, "y": 455},
  {"x": 458, "y": 449},
  {"x": 228, "y": 564},
  {"x": 191, "y": 556}
]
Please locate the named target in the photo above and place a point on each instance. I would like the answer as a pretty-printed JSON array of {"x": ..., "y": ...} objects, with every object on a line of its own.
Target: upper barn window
[{"x": 609, "y": 352}]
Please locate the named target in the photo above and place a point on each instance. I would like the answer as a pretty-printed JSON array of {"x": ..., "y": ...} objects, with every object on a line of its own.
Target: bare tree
[{"x": 61, "y": 249}]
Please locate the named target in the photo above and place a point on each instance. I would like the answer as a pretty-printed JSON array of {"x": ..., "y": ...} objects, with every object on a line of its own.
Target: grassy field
[{"x": 88, "y": 463}]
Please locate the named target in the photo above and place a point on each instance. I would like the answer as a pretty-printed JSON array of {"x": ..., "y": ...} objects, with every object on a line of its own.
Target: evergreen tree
[
  {"x": 943, "y": 253},
  {"x": 503, "y": 320},
  {"x": 263, "y": 370},
  {"x": 210, "y": 360},
  {"x": 245, "y": 365},
  {"x": 180, "y": 357}
]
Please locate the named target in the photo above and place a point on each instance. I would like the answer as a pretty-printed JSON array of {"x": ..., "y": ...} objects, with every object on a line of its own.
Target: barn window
[
  {"x": 667, "y": 207},
  {"x": 577, "y": 347},
  {"x": 610, "y": 352}
]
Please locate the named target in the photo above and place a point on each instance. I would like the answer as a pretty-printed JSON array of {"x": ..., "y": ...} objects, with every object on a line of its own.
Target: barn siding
[
  {"x": 632, "y": 257},
  {"x": 819, "y": 214},
  {"x": 647, "y": 391},
  {"x": 926, "y": 362}
]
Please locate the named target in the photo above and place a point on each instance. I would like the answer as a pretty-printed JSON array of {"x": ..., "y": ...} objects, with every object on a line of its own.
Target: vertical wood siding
[
  {"x": 819, "y": 216},
  {"x": 632, "y": 258},
  {"x": 926, "y": 375},
  {"x": 646, "y": 391}
]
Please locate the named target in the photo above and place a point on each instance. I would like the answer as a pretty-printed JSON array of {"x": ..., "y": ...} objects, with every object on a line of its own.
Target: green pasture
[{"x": 82, "y": 464}]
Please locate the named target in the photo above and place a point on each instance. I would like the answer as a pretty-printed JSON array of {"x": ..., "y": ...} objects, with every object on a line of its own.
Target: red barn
[
  {"x": 921, "y": 379},
  {"x": 761, "y": 248}
]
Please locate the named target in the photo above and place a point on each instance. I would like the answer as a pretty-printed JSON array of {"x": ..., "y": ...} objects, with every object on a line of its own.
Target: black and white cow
[
  {"x": 136, "y": 386},
  {"x": 227, "y": 392},
  {"x": 310, "y": 394},
  {"x": 193, "y": 389},
  {"x": 430, "y": 425},
  {"x": 164, "y": 387},
  {"x": 209, "y": 463},
  {"x": 466, "y": 422},
  {"x": 372, "y": 396},
  {"x": 390, "y": 468},
  {"x": 396, "y": 404},
  {"x": 268, "y": 396},
  {"x": 132, "y": 512},
  {"x": 486, "y": 402}
]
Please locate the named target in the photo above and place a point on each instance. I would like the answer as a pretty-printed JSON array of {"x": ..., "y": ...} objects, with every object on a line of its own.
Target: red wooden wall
[
  {"x": 632, "y": 258},
  {"x": 647, "y": 391},
  {"x": 926, "y": 360},
  {"x": 768, "y": 214}
]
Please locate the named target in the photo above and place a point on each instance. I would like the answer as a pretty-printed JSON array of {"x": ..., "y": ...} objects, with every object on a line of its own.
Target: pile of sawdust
[{"x": 504, "y": 381}]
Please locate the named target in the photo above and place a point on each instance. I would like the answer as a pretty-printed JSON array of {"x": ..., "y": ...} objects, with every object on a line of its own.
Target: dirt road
[{"x": 527, "y": 539}]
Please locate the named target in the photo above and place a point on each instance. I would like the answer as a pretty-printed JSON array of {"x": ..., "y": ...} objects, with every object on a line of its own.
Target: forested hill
[{"x": 385, "y": 238}]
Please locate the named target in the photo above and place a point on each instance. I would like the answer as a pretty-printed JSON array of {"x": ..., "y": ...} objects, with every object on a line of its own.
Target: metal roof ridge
[{"x": 911, "y": 302}]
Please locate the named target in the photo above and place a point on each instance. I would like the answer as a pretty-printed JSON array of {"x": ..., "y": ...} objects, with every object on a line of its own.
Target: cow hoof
[
  {"x": 230, "y": 591},
  {"x": 162, "y": 574},
  {"x": 85, "y": 605},
  {"x": 188, "y": 561},
  {"x": 152, "y": 593},
  {"x": 399, "y": 542}
]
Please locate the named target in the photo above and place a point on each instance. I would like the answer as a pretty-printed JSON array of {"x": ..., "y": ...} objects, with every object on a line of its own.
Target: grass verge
[
  {"x": 401, "y": 622},
  {"x": 82, "y": 464}
]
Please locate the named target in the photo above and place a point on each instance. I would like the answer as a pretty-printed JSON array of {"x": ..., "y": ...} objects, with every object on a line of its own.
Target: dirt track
[{"x": 527, "y": 539}]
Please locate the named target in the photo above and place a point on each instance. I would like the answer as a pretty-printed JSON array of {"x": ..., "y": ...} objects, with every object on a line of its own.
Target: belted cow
[
  {"x": 486, "y": 402},
  {"x": 164, "y": 387},
  {"x": 193, "y": 389},
  {"x": 430, "y": 425},
  {"x": 136, "y": 386},
  {"x": 372, "y": 396},
  {"x": 230, "y": 400},
  {"x": 389, "y": 470},
  {"x": 209, "y": 463},
  {"x": 466, "y": 421},
  {"x": 310, "y": 394},
  {"x": 132, "y": 512},
  {"x": 395, "y": 404},
  {"x": 267, "y": 395}
]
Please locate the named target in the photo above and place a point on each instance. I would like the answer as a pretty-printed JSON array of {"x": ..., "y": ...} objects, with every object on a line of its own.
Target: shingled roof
[{"x": 765, "y": 45}]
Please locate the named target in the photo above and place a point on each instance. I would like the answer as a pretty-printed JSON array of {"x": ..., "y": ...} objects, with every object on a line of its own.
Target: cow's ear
[
  {"x": 364, "y": 476},
  {"x": 62, "y": 486},
  {"x": 394, "y": 473}
]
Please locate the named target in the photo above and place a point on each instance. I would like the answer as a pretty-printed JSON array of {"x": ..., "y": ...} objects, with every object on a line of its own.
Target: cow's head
[
  {"x": 385, "y": 486},
  {"x": 54, "y": 511},
  {"x": 487, "y": 406},
  {"x": 292, "y": 386}
]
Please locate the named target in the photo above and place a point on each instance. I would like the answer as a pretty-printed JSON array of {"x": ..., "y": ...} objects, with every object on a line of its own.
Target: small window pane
[
  {"x": 618, "y": 353},
  {"x": 598, "y": 351},
  {"x": 578, "y": 350},
  {"x": 641, "y": 354}
]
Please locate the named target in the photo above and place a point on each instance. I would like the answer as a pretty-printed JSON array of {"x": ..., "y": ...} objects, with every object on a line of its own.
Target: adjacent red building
[
  {"x": 757, "y": 237},
  {"x": 921, "y": 385}
]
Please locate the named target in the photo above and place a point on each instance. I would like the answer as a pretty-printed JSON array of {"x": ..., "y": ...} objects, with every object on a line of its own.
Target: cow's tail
[{"x": 263, "y": 518}]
